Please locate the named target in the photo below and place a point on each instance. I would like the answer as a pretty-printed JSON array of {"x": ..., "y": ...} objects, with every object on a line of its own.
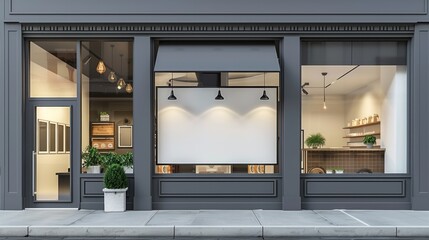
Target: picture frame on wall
[
  {"x": 52, "y": 136},
  {"x": 67, "y": 137},
  {"x": 42, "y": 136},
  {"x": 103, "y": 129},
  {"x": 106, "y": 143},
  {"x": 61, "y": 129},
  {"x": 125, "y": 136}
]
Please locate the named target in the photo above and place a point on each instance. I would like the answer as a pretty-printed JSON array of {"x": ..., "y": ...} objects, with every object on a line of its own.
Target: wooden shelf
[
  {"x": 362, "y": 135},
  {"x": 364, "y": 147},
  {"x": 362, "y": 125}
]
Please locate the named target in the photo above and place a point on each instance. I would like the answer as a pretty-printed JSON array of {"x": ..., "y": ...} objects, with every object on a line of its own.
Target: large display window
[{"x": 354, "y": 107}]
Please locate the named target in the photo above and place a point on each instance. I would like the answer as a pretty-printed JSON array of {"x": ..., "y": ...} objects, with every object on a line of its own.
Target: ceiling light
[
  {"x": 101, "y": 68},
  {"x": 219, "y": 95},
  {"x": 172, "y": 97},
  {"x": 264, "y": 94},
  {"x": 129, "y": 88},
  {"x": 112, "y": 76},
  {"x": 324, "y": 89},
  {"x": 121, "y": 83}
]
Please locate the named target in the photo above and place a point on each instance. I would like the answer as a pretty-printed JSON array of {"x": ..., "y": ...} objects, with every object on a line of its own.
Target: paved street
[{"x": 214, "y": 224}]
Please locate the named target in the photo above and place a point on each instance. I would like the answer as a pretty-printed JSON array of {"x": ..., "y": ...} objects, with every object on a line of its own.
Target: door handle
[{"x": 33, "y": 169}]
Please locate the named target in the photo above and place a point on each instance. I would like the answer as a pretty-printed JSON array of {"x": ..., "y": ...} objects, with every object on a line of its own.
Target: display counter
[{"x": 343, "y": 160}]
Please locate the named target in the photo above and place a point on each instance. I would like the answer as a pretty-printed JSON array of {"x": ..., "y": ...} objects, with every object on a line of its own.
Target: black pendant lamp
[
  {"x": 264, "y": 94},
  {"x": 219, "y": 95},
  {"x": 172, "y": 97}
]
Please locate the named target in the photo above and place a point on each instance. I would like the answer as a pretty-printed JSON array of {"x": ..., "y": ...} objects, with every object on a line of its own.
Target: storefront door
[{"x": 48, "y": 154}]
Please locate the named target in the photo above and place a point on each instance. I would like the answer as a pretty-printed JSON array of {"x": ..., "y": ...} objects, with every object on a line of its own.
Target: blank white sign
[{"x": 197, "y": 129}]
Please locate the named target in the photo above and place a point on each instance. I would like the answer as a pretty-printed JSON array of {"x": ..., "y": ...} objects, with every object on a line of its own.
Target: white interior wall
[
  {"x": 394, "y": 118},
  {"x": 328, "y": 122},
  {"x": 85, "y": 112},
  {"x": 49, "y": 76},
  {"x": 48, "y": 164}
]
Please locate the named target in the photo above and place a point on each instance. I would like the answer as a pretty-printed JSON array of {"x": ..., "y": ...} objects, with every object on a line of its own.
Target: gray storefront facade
[{"x": 372, "y": 36}]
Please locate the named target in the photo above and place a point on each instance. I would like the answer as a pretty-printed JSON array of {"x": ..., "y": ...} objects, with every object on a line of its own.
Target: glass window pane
[
  {"x": 107, "y": 102},
  {"x": 354, "y": 117},
  {"x": 52, "y": 69}
]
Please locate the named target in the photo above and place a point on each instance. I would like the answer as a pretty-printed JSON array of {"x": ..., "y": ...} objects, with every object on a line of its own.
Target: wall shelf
[
  {"x": 367, "y": 134},
  {"x": 362, "y": 125}
]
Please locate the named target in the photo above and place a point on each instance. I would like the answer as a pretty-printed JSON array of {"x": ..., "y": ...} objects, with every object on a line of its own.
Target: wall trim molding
[{"x": 218, "y": 28}]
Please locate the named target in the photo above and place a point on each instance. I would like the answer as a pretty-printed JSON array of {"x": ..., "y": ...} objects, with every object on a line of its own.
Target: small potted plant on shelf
[
  {"x": 369, "y": 141},
  {"x": 104, "y": 117},
  {"x": 115, "y": 188},
  {"x": 92, "y": 160},
  {"x": 315, "y": 140},
  {"x": 127, "y": 162}
]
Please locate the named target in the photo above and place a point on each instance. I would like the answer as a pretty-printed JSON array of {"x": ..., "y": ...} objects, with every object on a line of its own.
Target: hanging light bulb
[
  {"x": 112, "y": 76},
  {"x": 121, "y": 83},
  {"x": 172, "y": 97},
  {"x": 129, "y": 88},
  {"x": 264, "y": 94},
  {"x": 324, "y": 90},
  {"x": 101, "y": 68}
]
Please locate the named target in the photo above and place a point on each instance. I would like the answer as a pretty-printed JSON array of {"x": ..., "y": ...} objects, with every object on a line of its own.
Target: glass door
[{"x": 50, "y": 159}]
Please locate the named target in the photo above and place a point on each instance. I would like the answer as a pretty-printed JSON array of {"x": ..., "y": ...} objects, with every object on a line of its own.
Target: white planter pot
[
  {"x": 104, "y": 118},
  {"x": 128, "y": 169},
  {"x": 94, "y": 169},
  {"x": 115, "y": 200},
  {"x": 369, "y": 145}
]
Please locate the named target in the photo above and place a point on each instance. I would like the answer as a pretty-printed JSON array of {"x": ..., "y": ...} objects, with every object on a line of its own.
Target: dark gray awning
[{"x": 217, "y": 58}]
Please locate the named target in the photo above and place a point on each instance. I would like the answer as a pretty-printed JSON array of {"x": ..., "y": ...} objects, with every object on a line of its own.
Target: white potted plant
[
  {"x": 127, "y": 162},
  {"x": 115, "y": 189},
  {"x": 92, "y": 160},
  {"x": 104, "y": 117}
]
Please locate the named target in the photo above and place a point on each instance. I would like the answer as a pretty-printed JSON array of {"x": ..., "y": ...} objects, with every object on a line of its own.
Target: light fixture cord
[
  {"x": 172, "y": 80},
  {"x": 112, "y": 54},
  {"x": 324, "y": 89},
  {"x": 264, "y": 81}
]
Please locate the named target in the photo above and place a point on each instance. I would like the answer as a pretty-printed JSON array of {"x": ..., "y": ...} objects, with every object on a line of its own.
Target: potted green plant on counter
[
  {"x": 115, "y": 188},
  {"x": 315, "y": 140},
  {"x": 92, "y": 160},
  {"x": 369, "y": 141},
  {"x": 127, "y": 162}
]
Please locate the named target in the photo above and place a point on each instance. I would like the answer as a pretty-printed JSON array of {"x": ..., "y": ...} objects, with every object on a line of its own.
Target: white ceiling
[{"x": 358, "y": 78}]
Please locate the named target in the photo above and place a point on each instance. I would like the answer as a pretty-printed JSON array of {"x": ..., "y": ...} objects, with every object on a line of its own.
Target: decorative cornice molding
[{"x": 215, "y": 28}]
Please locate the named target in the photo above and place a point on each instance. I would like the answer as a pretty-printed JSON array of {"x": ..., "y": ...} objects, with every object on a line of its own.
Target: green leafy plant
[
  {"x": 127, "y": 159},
  {"x": 109, "y": 159},
  {"x": 315, "y": 140},
  {"x": 91, "y": 157},
  {"x": 115, "y": 177},
  {"x": 103, "y": 113},
  {"x": 370, "y": 139}
]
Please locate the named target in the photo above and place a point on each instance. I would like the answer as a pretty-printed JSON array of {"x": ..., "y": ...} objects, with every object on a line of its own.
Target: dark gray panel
[
  {"x": 2, "y": 113},
  {"x": 420, "y": 118},
  {"x": 326, "y": 53},
  {"x": 216, "y": 57},
  {"x": 354, "y": 188},
  {"x": 354, "y": 53},
  {"x": 217, "y": 188},
  {"x": 269, "y": 7},
  {"x": 236, "y": 205},
  {"x": 143, "y": 114},
  {"x": 291, "y": 122},
  {"x": 92, "y": 188},
  {"x": 13, "y": 122}
]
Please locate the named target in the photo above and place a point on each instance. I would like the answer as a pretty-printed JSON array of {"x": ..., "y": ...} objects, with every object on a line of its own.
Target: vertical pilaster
[
  {"x": 143, "y": 119},
  {"x": 12, "y": 117},
  {"x": 291, "y": 122},
  {"x": 2, "y": 105},
  {"x": 419, "y": 111}
]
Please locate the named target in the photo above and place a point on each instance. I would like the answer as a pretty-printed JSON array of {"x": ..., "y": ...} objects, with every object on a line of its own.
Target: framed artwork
[
  {"x": 103, "y": 129},
  {"x": 125, "y": 136},
  {"x": 52, "y": 133},
  {"x": 107, "y": 143},
  {"x": 163, "y": 169},
  {"x": 61, "y": 128},
  {"x": 67, "y": 135},
  {"x": 42, "y": 136}
]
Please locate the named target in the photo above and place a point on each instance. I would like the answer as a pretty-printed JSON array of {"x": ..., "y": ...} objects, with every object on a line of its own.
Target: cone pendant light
[{"x": 172, "y": 97}]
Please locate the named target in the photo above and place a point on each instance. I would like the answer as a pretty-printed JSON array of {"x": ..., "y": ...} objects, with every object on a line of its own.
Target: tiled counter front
[{"x": 350, "y": 160}]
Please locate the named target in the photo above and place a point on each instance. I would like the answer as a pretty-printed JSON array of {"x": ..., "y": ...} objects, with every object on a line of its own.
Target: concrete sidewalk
[{"x": 214, "y": 223}]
